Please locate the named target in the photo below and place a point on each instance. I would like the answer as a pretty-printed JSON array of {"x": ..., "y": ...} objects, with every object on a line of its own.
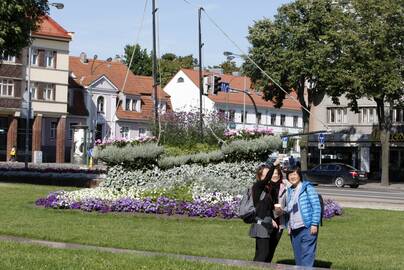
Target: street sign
[
  {"x": 225, "y": 87},
  {"x": 284, "y": 142},
  {"x": 321, "y": 146},
  {"x": 321, "y": 138}
]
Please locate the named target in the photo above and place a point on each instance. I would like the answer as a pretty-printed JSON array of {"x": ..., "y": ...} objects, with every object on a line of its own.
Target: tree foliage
[
  {"x": 17, "y": 19},
  {"x": 170, "y": 64},
  {"x": 229, "y": 67},
  {"x": 299, "y": 49},
  {"x": 142, "y": 61},
  {"x": 373, "y": 42}
]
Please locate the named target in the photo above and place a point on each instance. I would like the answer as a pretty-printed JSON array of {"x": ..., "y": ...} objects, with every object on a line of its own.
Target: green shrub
[
  {"x": 133, "y": 156},
  {"x": 256, "y": 149},
  {"x": 171, "y": 150}
]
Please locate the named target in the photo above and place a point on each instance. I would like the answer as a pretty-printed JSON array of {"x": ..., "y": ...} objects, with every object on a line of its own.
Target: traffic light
[{"x": 216, "y": 84}]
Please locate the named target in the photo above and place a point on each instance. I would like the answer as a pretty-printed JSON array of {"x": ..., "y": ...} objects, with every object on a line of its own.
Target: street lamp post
[{"x": 29, "y": 98}]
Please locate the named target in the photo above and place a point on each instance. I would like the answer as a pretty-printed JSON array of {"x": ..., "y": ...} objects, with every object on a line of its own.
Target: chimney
[
  {"x": 83, "y": 58},
  {"x": 118, "y": 59}
]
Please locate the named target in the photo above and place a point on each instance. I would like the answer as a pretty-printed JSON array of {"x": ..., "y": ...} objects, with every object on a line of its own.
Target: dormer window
[
  {"x": 134, "y": 105},
  {"x": 180, "y": 80},
  {"x": 100, "y": 104}
]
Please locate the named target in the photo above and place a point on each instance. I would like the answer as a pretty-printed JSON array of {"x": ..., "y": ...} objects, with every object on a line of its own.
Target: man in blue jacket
[{"x": 303, "y": 207}]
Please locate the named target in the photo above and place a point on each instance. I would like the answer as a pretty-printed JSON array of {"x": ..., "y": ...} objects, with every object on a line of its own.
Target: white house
[{"x": 183, "y": 89}]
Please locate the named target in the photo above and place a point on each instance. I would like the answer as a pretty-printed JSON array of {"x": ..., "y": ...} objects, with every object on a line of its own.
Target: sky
[{"x": 104, "y": 27}]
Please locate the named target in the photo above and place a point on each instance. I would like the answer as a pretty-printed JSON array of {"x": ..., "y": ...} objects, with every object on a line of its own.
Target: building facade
[
  {"x": 119, "y": 103},
  {"x": 47, "y": 72},
  {"x": 354, "y": 137},
  {"x": 183, "y": 89}
]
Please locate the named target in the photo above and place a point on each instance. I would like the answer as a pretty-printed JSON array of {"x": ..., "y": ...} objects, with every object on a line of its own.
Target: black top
[{"x": 265, "y": 206}]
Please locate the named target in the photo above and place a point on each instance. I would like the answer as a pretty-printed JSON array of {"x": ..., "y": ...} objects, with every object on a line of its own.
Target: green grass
[
  {"x": 360, "y": 239},
  {"x": 22, "y": 256}
]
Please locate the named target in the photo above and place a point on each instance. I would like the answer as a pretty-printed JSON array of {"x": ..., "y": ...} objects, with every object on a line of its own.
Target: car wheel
[
  {"x": 354, "y": 186},
  {"x": 339, "y": 182}
]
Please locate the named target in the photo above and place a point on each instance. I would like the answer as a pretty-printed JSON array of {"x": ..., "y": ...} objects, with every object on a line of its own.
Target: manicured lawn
[
  {"x": 360, "y": 239},
  {"x": 21, "y": 256}
]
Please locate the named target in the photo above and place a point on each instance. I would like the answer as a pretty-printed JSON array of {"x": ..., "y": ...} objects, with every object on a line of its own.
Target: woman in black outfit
[{"x": 269, "y": 190}]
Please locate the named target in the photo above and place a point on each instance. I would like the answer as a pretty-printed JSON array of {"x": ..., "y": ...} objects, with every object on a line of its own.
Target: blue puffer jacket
[{"x": 309, "y": 204}]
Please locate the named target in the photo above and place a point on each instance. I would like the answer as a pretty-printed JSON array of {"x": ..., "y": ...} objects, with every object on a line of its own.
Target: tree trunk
[
  {"x": 303, "y": 97},
  {"x": 304, "y": 142},
  {"x": 385, "y": 143},
  {"x": 384, "y": 117}
]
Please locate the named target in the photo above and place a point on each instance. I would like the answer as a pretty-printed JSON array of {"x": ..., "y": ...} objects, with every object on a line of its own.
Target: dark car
[{"x": 338, "y": 174}]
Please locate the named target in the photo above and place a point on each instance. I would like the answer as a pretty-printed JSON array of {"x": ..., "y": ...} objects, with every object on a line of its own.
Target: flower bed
[
  {"x": 162, "y": 205},
  {"x": 106, "y": 200},
  {"x": 247, "y": 134}
]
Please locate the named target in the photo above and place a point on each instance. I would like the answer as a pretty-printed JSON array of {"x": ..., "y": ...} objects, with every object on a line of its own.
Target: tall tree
[
  {"x": 171, "y": 63},
  {"x": 298, "y": 49},
  {"x": 229, "y": 67},
  {"x": 142, "y": 61},
  {"x": 374, "y": 34},
  {"x": 17, "y": 19}
]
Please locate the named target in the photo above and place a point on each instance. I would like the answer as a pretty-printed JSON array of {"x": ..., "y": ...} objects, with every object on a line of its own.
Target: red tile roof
[
  {"x": 50, "y": 28},
  {"x": 116, "y": 72},
  {"x": 237, "y": 82}
]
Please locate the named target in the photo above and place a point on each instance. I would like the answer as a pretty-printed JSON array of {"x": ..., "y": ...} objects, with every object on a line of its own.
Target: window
[
  {"x": 244, "y": 117},
  {"x": 337, "y": 115},
  {"x": 7, "y": 88},
  {"x": 34, "y": 57},
  {"x": 367, "y": 115},
  {"x": 180, "y": 80},
  {"x": 232, "y": 115},
  {"x": 136, "y": 105},
  {"x": 162, "y": 105},
  {"x": 283, "y": 118},
  {"x": 125, "y": 132},
  {"x": 142, "y": 131},
  {"x": 34, "y": 90},
  {"x": 48, "y": 93},
  {"x": 258, "y": 118},
  {"x": 295, "y": 121},
  {"x": 49, "y": 57},
  {"x": 273, "y": 119},
  {"x": 133, "y": 105},
  {"x": 53, "y": 127},
  {"x": 100, "y": 104},
  {"x": 71, "y": 130},
  {"x": 8, "y": 58},
  {"x": 398, "y": 115}
]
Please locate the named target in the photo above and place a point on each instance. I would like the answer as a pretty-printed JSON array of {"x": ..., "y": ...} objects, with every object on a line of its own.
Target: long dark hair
[{"x": 295, "y": 169}]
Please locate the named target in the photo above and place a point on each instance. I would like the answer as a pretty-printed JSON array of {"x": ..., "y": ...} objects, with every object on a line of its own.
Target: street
[{"x": 367, "y": 196}]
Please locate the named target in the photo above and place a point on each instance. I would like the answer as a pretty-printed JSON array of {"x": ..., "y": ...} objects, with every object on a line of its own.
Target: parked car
[{"x": 338, "y": 174}]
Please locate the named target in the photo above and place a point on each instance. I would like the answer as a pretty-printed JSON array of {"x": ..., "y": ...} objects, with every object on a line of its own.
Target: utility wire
[
  {"x": 244, "y": 54},
  {"x": 136, "y": 42}
]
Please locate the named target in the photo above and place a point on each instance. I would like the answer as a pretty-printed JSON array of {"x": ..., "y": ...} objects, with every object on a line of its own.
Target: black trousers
[{"x": 265, "y": 247}]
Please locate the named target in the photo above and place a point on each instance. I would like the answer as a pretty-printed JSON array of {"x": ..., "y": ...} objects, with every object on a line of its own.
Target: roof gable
[
  {"x": 103, "y": 83},
  {"x": 51, "y": 29}
]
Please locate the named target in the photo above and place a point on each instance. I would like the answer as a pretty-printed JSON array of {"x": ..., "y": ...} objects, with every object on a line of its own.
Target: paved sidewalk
[{"x": 240, "y": 263}]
